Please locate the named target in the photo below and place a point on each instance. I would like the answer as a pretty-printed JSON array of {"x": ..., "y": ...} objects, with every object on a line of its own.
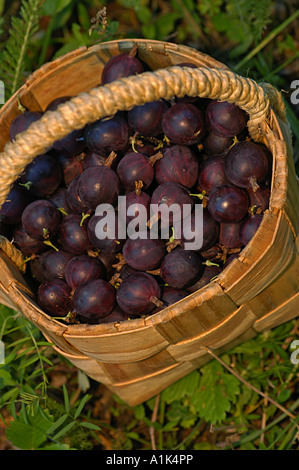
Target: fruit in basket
[
  {"x": 207, "y": 229},
  {"x": 72, "y": 235},
  {"x": 259, "y": 198},
  {"x": 170, "y": 199},
  {"x": 59, "y": 199},
  {"x": 181, "y": 268},
  {"x": 154, "y": 158},
  {"x": 55, "y": 297},
  {"x": 29, "y": 246},
  {"x": 107, "y": 135},
  {"x": 17, "y": 200},
  {"x": 135, "y": 167},
  {"x": 94, "y": 300},
  {"x": 146, "y": 119},
  {"x": 83, "y": 268},
  {"x": 170, "y": 295},
  {"x": 137, "y": 201},
  {"x": 246, "y": 165},
  {"x": 41, "y": 219},
  {"x": 71, "y": 165},
  {"x": 121, "y": 65},
  {"x": 73, "y": 200},
  {"x": 225, "y": 119},
  {"x": 105, "y": 241},
  {"x": 54, "y": 263},
  {"x": 229, "y": 235},
  {"x": 211, "y": 174},
  {"x": 144, "y": 254},
  {"x": 184, "y": 124},
  {"x": 98, "y": 185},
  {"x": 214, "y": 144},
  {"x": 228, "y": 203},
  {"x": 22, "y": 122},
  {"x": 43, "y": 176},
  {"x": 249, "y": 228},
  {"x": 179, "y": 165},
  {"x": 139, "y": 294}
]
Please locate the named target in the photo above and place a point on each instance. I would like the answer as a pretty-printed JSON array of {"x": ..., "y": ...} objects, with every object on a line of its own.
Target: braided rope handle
[{"x": 122, "y": 95}]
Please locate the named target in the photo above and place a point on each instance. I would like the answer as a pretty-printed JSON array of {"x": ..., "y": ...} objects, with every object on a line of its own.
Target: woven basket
[{"x": 137, "y": 359}]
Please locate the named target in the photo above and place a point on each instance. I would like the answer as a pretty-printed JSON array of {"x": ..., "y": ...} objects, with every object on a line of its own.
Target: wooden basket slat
[
  {"x": 136, "y": 345},
  {"x": 138, "y": 369},
  {"x": 151, "y": 385},
  {"x": 274, "y": 260},
  {"x": 194, "y": 314},
  {"x": 225, "y": 332},
  {"x": 291, "y": 205},
  {"x": 89, "y": 366},
  {"x": 280, "y": 291},
  {"x": 284, "y": 313},
  {"x": 247, "y": 335},
  {"x": 82, "y": 74}
]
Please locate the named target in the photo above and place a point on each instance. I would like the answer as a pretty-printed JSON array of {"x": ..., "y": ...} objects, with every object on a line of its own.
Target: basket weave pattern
[{"x": 138, "y": 358}]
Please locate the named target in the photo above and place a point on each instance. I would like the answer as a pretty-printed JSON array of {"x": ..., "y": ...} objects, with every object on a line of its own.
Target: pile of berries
[{"x": 184, "y": 152}]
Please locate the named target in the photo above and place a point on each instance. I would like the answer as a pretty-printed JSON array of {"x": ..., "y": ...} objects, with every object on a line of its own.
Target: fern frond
[{"x": 14, "y": 55}]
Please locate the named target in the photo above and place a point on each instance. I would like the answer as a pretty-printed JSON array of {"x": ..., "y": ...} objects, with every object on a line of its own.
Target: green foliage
[
  {"x": 216, "y": 394},
  {"x": 14, "y": 56},
  {"x": 39, "y": 422},
  {"x": 243, "y": 22}
]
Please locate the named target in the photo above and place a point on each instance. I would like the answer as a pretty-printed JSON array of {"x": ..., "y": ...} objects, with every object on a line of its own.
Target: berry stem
[
  {"x": 133, "y": 51},
  {"x": 20, "y": 106},
  {"x": 62, "y": 210},
  {"x": 210, "y": 263},
  {"x": 253, "y": 184},
  {"x": 156, "y": 157},
  {"x": 49, "y": 243},
  {"x": 157, "y": 302},
  {"x": 156, "y": 272},
  {"x": 110, "y": 159},
  {"x": 84, "y": 217},
  {"x": 26, "y": 185},
  {"x": 138, "y": 187}
]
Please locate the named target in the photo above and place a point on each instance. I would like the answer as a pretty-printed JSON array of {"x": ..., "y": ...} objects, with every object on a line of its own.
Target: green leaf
[
  {"x": 5, "y": 375},
  {"x": 81, "y": 405},
  {"x": 52, "y": 7},
  {"x": 14, "y": 56},
  {"x": 186, "y": 386},
  {"x": 24, "y": 436},
  {"x": 90, "y": 426},
  {"x": 217, "y": 391},
  {"x": 29, "y": 432},
  {"x": 66, "y": 399},
  {"x": 64, "y": 430},
  {"x": 58, "y": 423},
  {"x": 165, "y": 24}
]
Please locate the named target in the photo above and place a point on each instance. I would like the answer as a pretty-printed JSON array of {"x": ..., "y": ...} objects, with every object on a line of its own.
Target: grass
[
  {"x": 252, "y": 399},
  {"x": 61, "y": 408}
]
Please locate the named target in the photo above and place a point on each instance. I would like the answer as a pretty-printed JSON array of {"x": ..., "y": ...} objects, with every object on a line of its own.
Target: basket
[{"x": 137, "y": 359}]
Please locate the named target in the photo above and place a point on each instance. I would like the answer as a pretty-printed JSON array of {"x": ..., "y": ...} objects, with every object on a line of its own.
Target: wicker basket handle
[{"x": 122, "y": 95}]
